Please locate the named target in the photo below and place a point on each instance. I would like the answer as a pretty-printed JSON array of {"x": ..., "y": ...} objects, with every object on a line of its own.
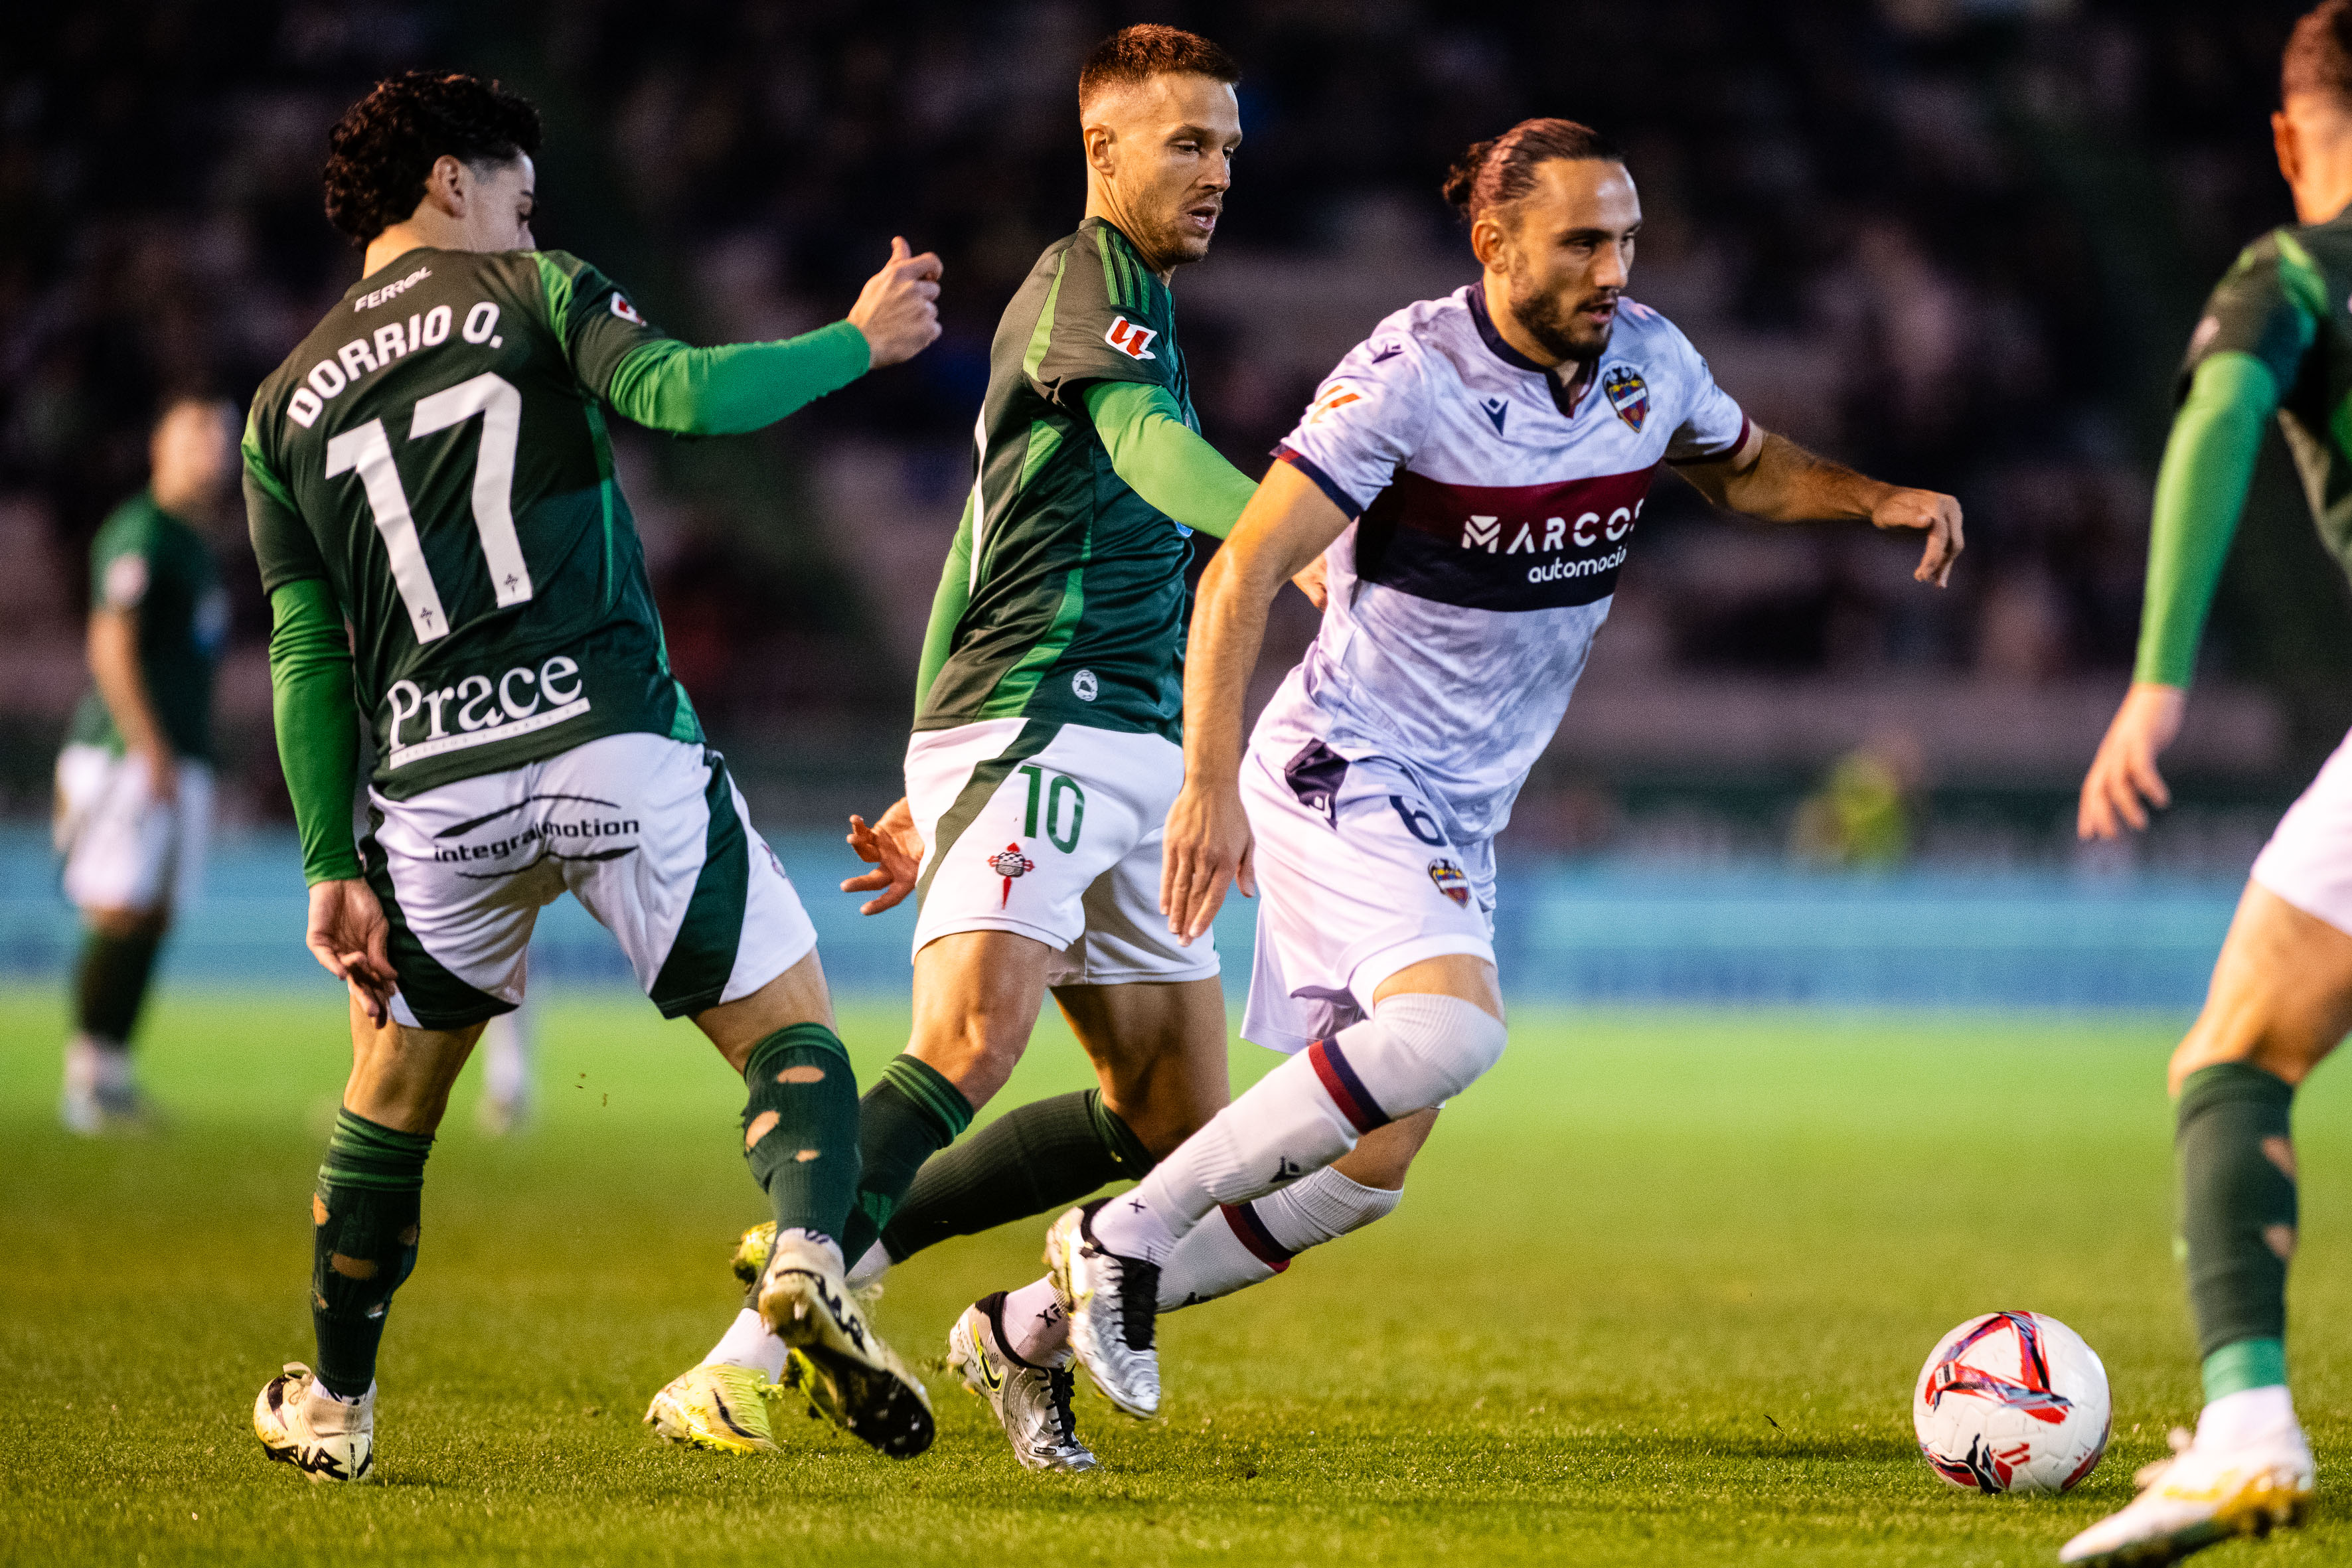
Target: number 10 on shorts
[{"x": 1052, "y": 796}]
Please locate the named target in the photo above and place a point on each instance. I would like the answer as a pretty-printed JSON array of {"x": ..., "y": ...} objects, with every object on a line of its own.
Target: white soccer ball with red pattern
[{"x": 2013, "y": 1402}]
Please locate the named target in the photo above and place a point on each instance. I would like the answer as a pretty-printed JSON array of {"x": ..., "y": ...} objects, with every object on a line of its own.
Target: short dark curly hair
[
  {"x": 1134, "y": 55},
  {"x": 380, "y": 152}
]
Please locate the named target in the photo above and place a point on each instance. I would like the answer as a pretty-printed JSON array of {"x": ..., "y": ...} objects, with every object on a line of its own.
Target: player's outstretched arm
[
  {"x": 2208, "y": 460},
  {"x": 1782, "y": 482},
  {"x": 664, "y": 385},
  {"x": 1288, "y": 523}
]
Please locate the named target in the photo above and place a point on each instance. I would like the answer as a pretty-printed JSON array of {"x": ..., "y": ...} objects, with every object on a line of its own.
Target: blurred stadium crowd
[{"x": 1959, "y": 243}]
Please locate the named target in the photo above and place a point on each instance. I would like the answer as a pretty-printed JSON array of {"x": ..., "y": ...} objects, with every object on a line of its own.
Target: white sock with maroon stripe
[
  {"x": 1254, "y": 1241},
  {"x": 1416, "y": 1050}
]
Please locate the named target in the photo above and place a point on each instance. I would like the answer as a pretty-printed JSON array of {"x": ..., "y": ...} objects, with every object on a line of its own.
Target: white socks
[
  {"x": 2249, "y": 1415},
  {"x": 1035, "y": 1328},
  {"x": 1416, "y": 1051},
  {"x": 1254, "y": 1241},
  {"x": 870, "y": 1268},
  {"x": 747, "y": 1343},
  {"x": 1240, "y": 1247}
]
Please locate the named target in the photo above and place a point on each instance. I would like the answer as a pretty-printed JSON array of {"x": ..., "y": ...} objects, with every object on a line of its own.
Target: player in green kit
[
  {"x": 134, "y": 780},
  {"x": 449, "y": 560},
  {"x": 1044, "y": 753},
  {"x": 2276, "y": 340}
]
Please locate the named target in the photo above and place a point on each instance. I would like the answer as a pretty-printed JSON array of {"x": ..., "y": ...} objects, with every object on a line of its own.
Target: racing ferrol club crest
[
  {"x": 1008, "y": 864},
  {"x": 1627, "y": 393},
  {"x": 1451, "y": 882},
  {"x": 1130, "y": 340}
]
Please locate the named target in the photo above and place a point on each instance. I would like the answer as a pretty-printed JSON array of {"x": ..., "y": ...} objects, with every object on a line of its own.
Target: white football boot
[
  {"x": 1032, "y": 1403},
  {"x": 301, "y": 1423},
  {"x": 859, "y": 1381},
  {"x": 2207, "y": 1492},
  {"x": 1113, "y": 1304}
]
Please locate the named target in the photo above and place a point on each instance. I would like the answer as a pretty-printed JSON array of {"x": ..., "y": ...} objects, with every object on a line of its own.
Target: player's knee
[
  {"x": 1443, "y": 1045},
  {"x": 1456, "y": 1041}
]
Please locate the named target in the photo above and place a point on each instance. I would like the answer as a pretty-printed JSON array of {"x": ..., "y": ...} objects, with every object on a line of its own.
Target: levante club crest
[
  {"x": 1008, "y": 865},
  {"x": 1451, "y": 882},
  {"x": 1627, "y": 393}
]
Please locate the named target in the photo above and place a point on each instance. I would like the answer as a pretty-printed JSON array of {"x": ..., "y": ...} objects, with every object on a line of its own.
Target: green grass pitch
[{"x": 1656, "y": 1296}]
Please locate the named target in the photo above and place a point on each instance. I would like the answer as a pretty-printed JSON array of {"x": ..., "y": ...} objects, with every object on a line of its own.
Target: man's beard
[
  {"x": 1175, "y": 246},
  {"x": 1551, "y": 320}
]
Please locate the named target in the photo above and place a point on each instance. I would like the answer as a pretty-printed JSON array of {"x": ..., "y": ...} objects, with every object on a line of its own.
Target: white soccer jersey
[{"x": 1491, "y": 520}]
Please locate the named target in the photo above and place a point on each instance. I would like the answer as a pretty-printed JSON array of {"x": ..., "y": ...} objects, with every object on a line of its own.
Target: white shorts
[
  {"x": 1356, "y": 880},
  {"x": 649, "y": 833},
  {"x": 2308, "y": 861},
  {"x": 1052, "y": 831},
  {"x": 124, "y": 850}
]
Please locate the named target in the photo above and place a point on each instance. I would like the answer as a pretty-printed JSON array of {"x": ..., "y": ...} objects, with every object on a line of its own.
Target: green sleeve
[
  {"x": 1163, "y": 459},
  {"x": 283, "y": 547},
  {"x": 947, "y": 608},
  {"x": 665, "y": 385},
  {"x": 2200, "y": 491},
  {"x": 318, "y": 725}
]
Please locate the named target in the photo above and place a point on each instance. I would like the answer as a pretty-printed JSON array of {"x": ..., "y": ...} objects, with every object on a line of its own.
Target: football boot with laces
[
  {"x": 1031, "y": 1402},
  {"x": 1113, "y": 1305}
]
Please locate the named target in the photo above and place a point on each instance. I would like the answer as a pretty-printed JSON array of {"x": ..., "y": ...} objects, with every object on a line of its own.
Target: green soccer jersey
[
  {"x": 2275, "y": 338},
  {"x": 1073, "y": 597},
  {"x": 2287, "y": 304},
  {"x": 148, "y": 562},
  {"x": 436, "y": 450}
]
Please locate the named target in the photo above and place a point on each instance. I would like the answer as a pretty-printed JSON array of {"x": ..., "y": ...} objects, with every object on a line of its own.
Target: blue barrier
[{"x": 1566, "y": 932}]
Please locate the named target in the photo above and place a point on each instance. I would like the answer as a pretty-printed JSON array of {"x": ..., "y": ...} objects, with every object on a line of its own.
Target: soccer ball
[{"x": 2013, "y": 1402}]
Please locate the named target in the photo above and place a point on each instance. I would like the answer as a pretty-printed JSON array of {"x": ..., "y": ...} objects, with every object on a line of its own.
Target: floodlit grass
[{"x": 1656, "y": 1296}]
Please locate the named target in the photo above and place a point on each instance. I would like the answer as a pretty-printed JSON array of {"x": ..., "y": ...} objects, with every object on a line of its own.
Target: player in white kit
[{"x": 1472, "y": 475}]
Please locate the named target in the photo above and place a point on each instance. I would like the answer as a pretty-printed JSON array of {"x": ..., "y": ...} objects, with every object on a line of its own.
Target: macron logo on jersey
[
  {"x": 626, "y": 311},
  {"x": 1130, "y": 340}
]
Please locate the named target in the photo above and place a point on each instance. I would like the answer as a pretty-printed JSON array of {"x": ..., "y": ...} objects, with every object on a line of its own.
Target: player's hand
[
  {"x": 347, "y": 936},
  {"x": 898, "y": 308},
  {"x": 893, "y": 844},
  {"x": 163, "y": 775},
  {"x": 2123, "y": 781},
  {"x": 1939, "y": 515},
  {"x": 1207, "y": 845},
  {"x": 1312, "y": 583}
]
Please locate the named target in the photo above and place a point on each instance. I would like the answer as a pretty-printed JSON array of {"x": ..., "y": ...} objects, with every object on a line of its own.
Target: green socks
[
  {"x": 2248, "y": 1364},
  {"x": 909, "y": 1116},
  {"x": 110, "y": 984},
  {"x": 1040, "y": 1156},
  {"x": 2237, "y": 1220},
  {"x": 363, "y": 1216},
  {"x": 800, "y": 1128}
]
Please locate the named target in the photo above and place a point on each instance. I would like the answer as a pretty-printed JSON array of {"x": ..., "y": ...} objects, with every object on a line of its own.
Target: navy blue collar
[{"x": 1565, "y": 397}]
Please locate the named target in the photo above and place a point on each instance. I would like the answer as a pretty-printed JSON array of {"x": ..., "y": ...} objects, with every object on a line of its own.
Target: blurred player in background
[
  {"x": 1471, "y": 475},
  {"x": 432, "y": 506},
  {"x": 2275, "y": 340},
  {"x": 1045, "y": 754},
  {"x": 134, "y": 781},
  {"x": 509, "y": 1047}
]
